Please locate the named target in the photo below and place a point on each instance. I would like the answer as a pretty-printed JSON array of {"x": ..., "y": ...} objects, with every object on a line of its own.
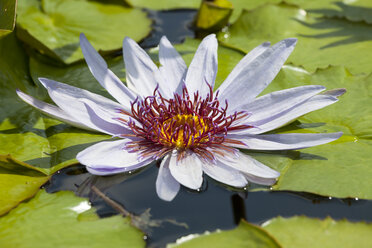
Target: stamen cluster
[{"x": 182, "y": 123}]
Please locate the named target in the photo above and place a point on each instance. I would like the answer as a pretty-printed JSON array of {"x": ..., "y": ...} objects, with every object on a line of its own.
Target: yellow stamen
[{"x": 187, "y": 128}]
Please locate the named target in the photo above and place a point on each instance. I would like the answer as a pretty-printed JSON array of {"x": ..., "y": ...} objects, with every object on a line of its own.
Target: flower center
[
  {"x": 183, "y": 123},
  {"x": 184, "y": 131}
]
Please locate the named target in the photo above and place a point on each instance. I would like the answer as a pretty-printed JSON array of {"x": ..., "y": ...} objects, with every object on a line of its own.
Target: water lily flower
[{"x": 170, "y": 113}]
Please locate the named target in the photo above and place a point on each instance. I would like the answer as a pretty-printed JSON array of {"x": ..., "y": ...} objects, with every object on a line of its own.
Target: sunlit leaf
[
  {"x": 321, "y": 41},
  {"x": 305, "y": 232},
  {"x": 53, "y": 26},
  {"x": 18, "y": 181},
  {"x": 213, "y": 15},
  {"x": 239, "y": 5},
  {"x": 245, "y": 235},
  {"x": 356, "y": 10},
  {"x": 59, "y": 220},
  {"x": 7, "y": 16}
]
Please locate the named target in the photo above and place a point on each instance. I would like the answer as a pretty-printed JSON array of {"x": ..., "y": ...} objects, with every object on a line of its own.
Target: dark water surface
[
  {"x": 215, "y": 207},
  {"x": 212, "y": 208}
]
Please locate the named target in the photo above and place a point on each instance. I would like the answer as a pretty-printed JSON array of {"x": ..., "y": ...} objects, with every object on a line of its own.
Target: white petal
[
  {"x": 255, "y": 75},
  {"x": 52, "y": 111},
  {"x": 106, "y": 171},
  {"x": 167, "y": 186},
  {"x": 104, "y": 120},
  {"x": 225, "y": 174},
  {"x": 238, "y": 74},
  {"x": 261, "y": 180},
  {"x": 253, "y": 169},
  {"x": 276, "y": 102},
  {"x": 285, "y": 117},
  {"x": 142, "y": 74},
  {"x": 67, "y": 98},
  {"x": 187, "y": 171},
  {"x": 110, "y": 157},
  {"x": 287, "y": 141},
  {"x": 105, "y": 76},
  {"x": 203, "y": 67},
  {"x": 173, "y": 67}
]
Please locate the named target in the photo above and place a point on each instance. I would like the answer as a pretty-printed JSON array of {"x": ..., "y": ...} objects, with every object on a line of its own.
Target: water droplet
[
  {"x": 145, "y": 237},
  {"x": 245, "y": 188},
  {"x": 356, "y": 198},
  {"x": 58, "y": 172},
  {"x": 130, "y": 172},
  {"x": 271, "y": 188},
  {"x": 330, "y": 198}
]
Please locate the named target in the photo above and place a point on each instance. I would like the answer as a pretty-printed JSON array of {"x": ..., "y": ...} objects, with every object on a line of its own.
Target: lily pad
[
  {"x": 53, "y": 26},
  {"x": 18, "y": 182},
  {"x": 240, "y": 5},
  {"x": 7, "y": 16},
  {"x": 43, "y": 220},
  {"x": 305, "y": 232},
  {"x": 213, "y": 15},
  {"x": 356, "y": 10},
  {"x": 245, "y": 235},
  {"x": 321, "y": 41}
]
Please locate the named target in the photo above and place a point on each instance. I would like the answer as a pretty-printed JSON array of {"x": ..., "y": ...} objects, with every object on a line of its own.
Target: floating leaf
[
  {"x": 213, "y": 15},
  {"x": 304, "y": 232},
  {"x": 356, "y": 10},
  {"x": 239, "y": 5},
  {"x": 18, "y": 182},
  {"x": 245, "y": 235},
  {"x": 321, "y": 41},
  {"x": 53, "y": 26},
  {"x": 43, "y": 221},
  {"x": 7, "y": 16}
]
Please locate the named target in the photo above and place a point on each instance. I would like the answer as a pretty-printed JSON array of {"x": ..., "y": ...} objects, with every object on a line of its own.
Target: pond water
[{"x": 215, "y": 207}]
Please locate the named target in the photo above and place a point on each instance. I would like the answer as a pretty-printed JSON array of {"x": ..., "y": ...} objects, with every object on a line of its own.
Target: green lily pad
[
  {"x": 356, "y": 10},
  {"x": 18, "y": 182},
  {"x": 321, "y": 41},
  {"x": 7, "y": 16},
  {"x": 213, "y": 15},
  {"x": 43, "y": 220},
  {"x": 53, "y": 26},
  {"x": 240, "y": 5},
  {"x": 245, "y": 235},
  {"x": 305, "y": 232}
]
